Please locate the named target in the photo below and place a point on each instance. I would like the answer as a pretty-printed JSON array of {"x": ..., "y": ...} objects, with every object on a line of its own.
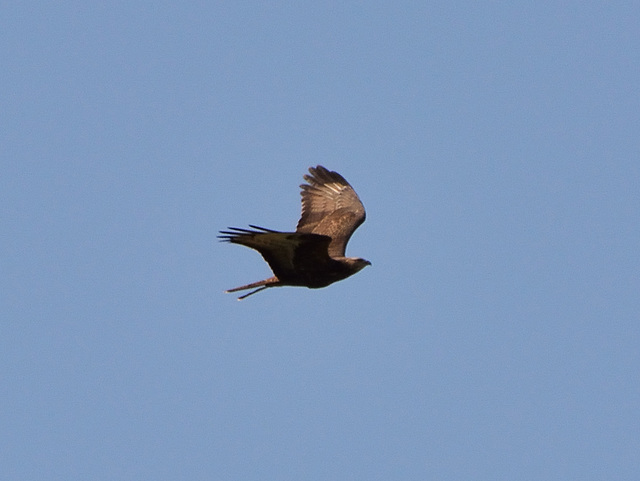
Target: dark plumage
[{"x": 314, "y": 255}]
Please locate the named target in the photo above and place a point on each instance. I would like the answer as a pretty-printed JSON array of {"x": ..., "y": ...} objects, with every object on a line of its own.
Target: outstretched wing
[
  {"x": 289, "y": 254},
  {"x": 330, "y": 207}
]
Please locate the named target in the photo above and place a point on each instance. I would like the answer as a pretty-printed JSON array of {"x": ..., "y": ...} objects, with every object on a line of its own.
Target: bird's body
[{"x": 314, "y": 255}]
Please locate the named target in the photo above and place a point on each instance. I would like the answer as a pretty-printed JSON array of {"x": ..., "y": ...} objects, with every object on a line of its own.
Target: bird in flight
[{"x": 314, "y": 255}]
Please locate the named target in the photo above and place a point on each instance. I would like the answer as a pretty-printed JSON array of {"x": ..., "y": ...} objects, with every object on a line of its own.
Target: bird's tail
[{"x": 271, "y": 282}]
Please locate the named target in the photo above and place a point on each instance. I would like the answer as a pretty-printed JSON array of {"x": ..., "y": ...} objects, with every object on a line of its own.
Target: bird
[{"x": 314, "y": 255}]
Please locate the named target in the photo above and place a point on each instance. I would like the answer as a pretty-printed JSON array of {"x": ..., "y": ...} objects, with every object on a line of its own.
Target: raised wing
[{"x": 330, "y": 207}]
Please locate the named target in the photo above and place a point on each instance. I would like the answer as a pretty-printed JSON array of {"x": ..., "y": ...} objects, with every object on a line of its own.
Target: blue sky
[{"x": 496, "y": 149}]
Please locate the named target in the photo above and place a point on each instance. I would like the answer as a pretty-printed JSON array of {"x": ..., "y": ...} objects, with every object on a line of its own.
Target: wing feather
[
  {"x": 288, "y": 253},
  {"x": 330, "y": 207}
]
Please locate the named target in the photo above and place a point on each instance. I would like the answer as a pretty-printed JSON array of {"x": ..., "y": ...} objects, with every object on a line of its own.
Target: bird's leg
[
  {"x": 271, "y": 282},
  {"x": 252, "y": 292}
]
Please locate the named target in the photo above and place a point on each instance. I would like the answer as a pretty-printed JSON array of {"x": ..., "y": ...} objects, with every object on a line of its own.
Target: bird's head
[{"x": 358, "y": 263}]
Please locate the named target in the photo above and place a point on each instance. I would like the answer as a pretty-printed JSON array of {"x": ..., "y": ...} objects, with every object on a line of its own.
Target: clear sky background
[{"x": 496, "y": 147}]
